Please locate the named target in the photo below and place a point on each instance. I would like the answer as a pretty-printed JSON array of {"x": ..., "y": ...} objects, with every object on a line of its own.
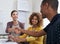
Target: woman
[
  {"x": 14, "y": 24},
  {"x": 36, "y": 25}
]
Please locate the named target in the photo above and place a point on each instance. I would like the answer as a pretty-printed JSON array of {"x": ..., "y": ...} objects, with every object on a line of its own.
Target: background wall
[
  {"x": 36, "y": 5},
  {"x": 6, "y": 6},
  {"x": 59, "y": 7}
]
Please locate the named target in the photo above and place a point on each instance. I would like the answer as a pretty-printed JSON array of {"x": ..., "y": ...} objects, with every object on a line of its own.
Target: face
[
  {"x": 44, "y": 10},
  {"x": 34, "y": 20},
  {"x": 14, "y": 16}
]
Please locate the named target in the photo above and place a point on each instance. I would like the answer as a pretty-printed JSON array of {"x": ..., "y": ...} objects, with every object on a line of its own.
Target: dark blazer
[{"x": 10, "y": 24}]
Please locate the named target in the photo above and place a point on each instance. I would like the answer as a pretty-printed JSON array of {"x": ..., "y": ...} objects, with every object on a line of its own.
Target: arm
[
  {"x": 18, "y": 39},
  {"x": 8, "y": 28},
  {"x": 22, "y": 39},
  {"x": 23, "y": 36},
  {"x": 33, "y": 33},
  {"x": 21, "y": 25},
  {"x": 29, "y": 39},
  {"x": 44, "y": 39}
]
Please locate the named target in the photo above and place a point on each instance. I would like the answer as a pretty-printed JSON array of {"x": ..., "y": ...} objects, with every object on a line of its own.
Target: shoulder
[
  {"x": 40, "y": 28},
  {"x": 20, "y": 23},
  {"x": 29, "y": 28},
  {"x": 58, "y": 19},
  {"x": 10, "y": 22}
]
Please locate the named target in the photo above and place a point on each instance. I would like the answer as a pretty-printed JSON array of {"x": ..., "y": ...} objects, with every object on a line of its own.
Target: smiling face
[
  {"x": 34, "y": 20},
  {"x": 14, "y": 16}
]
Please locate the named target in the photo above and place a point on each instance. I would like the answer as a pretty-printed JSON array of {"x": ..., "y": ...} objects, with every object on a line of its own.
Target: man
[{"x": 52, "y": 30}]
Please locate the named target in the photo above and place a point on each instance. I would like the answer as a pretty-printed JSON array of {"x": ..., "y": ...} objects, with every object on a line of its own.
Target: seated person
[
  {"x": 36, "y": 25},
  {"x": 14, "y": 24}
]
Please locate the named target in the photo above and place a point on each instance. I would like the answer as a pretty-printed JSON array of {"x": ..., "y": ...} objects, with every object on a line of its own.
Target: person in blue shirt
[{"x": 52, "y": 30}]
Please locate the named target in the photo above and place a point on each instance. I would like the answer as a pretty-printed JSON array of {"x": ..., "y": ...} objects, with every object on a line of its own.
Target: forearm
[
  {"x": 21, "y": 40},
  {"x": 33, "y": 33},
  {"x": 6, "y": 30},
  {"x": 23, "y": 36}
]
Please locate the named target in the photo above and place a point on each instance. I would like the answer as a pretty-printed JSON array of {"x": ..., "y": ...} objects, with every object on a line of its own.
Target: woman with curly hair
[{"x": 36, "y": 23}]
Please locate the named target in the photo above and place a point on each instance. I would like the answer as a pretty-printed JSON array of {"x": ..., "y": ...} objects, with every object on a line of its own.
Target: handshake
[
  {"x": 17, "y": 30},
  {"x": 15, "y": 38}
]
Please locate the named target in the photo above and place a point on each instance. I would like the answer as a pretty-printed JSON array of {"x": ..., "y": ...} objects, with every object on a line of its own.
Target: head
[
  {"x": 14, "y": 15},
  {"x": 48, "y": 6},
  {"x": 35, "y": 19}
]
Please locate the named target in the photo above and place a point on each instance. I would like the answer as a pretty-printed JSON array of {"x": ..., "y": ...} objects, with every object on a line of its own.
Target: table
[{"x": 3, "y": 41}]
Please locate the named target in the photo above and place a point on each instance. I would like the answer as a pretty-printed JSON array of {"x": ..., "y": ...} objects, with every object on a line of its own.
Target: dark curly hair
[{"x": 39, "y": 17}]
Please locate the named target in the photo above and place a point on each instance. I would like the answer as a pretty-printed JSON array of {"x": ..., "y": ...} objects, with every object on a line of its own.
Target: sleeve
[
  {"x": 46, "y": 28},
  {"x": 29, "y": 39},
  {"x": 21, "y": 25},
  {"x": 8, "y": 26},
  {"x": 23, "y": 36}
]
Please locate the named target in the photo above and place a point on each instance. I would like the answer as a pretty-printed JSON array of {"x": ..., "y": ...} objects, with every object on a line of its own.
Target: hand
[
  {"x": 17, "y": 39},
  {"x": 17, "y": 31},
  {"x": 21, "y": 30},
  {"x": 10, "y": 37},
  {"x": 9, "y": 30}
]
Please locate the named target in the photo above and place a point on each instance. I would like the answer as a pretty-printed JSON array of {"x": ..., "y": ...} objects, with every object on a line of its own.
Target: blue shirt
[{"x": 53, "y": 31}]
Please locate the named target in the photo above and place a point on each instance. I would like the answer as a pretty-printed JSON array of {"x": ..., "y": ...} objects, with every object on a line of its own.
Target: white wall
[
  {"x": 6, "y": 6},
  {"x": 59, "y": 7},
  {"x": 25, "y": 8},
  {"x": 36, "y": 5}
]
